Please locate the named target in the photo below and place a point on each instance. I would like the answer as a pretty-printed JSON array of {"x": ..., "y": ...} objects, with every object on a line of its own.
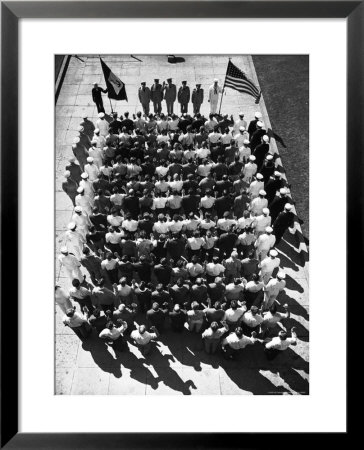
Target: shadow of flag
[
  {"x": 175, "y": 59},
  {"x": 274, "y": 135}
]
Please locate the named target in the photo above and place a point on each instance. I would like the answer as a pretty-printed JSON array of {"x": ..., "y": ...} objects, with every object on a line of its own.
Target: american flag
[{"x": 236, "y": 79}]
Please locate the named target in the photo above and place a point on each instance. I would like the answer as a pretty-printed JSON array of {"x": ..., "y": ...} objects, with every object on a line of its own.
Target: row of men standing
[{"x": 168, "y": 92}]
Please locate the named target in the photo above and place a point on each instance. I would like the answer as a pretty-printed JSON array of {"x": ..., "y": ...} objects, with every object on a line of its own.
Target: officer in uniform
[
  {"x": 71, "y": 264},
  {"x": 80, "y": 152},
  {"x": 88, "y": 127},
  {"x": 197, "y": 98},
  {"x": 184, "y": 97},
  {"x": 170, "y": 94},
  {"x": 284, "y": 220},
  {"x": 156, "y": 96},
  {"x": 253, "y": 124},
  {"x": 75, "y": 170},
  {"x": 144, "y": 95},
  {"x": 239, "y": 123},
  {"x": 97, "y": 97},
  {"x": 70, "y": 186},
  {"x": 214, "y": 92}
]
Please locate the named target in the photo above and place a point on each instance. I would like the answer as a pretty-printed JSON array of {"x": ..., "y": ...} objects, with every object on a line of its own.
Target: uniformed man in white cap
[
  {"x": 268, "y": 265},
  {"x": 238, "y": 124},
  {"x": 70, "y": 186},
  {"x": 256, "y": 137},
  {"x": 259, "y": 203},
  {"x": 88, "y": 126},
  {"x": 264, "y": 243},
  {"x": 74, "y": 240},
  {"x": 144, "y": 97},
  {"x": 101, "y": 141},
  {"x": 197, "y": 98},
  {"x": 87, "y": 185},
  {"x": 241, "y": 136},
  {"x": 253, "y": 124},
  {"x": 102, "y": 124},
  {"x": 169, "y": 95},
  {"x": 273, "y": 185},
  {"x": 250, "y": 169},
  {"x": 80, "y": 152},
  {"x": 245, "y": 152},
  {"x": 277, "y": 204},
  {"x": 71, "y": 264},
  {"x": 96, "y": 153},
  {"x": 75, "y": 170},
  {"x": 214, "y": 92},
  {"x": 82, "y": 221},
  {"x": 256, "y": 185},
  {"x": 261, "y": 222},
  {"x": 97, "y": 97},
  {"x": 84, "y": 201},
  {"x": 268, "y": 168},
  {"x": 272, "y": 290},
  {"x": 285, "y": 220},
  {"x": 261, "y": 150},
  {"x": 84, "y": 139},
  {"x": 91, "y": 169}
]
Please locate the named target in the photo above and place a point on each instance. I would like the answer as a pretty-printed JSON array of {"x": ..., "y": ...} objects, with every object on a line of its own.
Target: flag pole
[
  {"x": 223, "y": 89},
  {"x": 110, "y": 104}
]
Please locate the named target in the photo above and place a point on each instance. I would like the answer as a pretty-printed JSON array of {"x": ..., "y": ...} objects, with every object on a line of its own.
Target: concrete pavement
[{"x": 180, "y": 366}]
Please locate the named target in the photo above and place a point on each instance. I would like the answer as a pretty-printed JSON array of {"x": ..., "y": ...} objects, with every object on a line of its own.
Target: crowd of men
[{"x": 176, "y": 222}]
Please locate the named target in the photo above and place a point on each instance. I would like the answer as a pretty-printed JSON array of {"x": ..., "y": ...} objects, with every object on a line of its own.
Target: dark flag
[
  {"x": 115, "y": 87},
  {"x": 236, "y": 79}
]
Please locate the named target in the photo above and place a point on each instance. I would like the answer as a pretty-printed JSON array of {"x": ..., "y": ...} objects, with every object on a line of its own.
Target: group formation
[{"x": 176, "y": 221}]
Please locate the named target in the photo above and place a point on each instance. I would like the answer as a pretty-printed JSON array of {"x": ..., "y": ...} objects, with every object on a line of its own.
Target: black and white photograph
[{"x": 181, "y": 224}]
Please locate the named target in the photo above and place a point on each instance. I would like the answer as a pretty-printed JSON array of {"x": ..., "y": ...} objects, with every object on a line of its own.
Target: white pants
[
  {"x": 73, "y": 273},
  {"x": 268, "y": 301},
  {"x": 261, "y": 254},
  {"x": 213, "y": 106},
  {"x": 264, "y": 276},
  {"x": 75, "y": 249}
]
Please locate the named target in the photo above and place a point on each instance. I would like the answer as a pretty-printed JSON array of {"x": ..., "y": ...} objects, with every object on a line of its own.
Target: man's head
[
  {"x": 142, "y": 329},
  {"x": 282, "y": 335},
  {"x": 214, "y": 326},
  {"x": 155, "y": 305},
  {"x": 239, "y": 332},
  {"x": 70, "y": 312}
]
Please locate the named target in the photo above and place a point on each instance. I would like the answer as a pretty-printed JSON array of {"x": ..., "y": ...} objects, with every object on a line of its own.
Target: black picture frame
[{"x": 11, "y": 12}]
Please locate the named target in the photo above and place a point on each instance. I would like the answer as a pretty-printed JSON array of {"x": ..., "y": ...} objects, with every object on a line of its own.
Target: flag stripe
[
  {"x": 236, "y": 79},
  {"x": 244, "y": 86}
]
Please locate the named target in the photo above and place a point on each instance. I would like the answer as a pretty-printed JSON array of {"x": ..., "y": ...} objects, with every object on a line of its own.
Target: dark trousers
[
  {"x": 169, "y": 107},
  {"x": 146, "y": 108},
  {"x": 99, "y": 105},
  {"x": 85, "y": 302},
  {"x": 118, "y": 344},
  {"x": 157, "y": 107},
  {"x": 196, "y": 108},
  {"x": 184, "y": 108},
  {"x": 271, "y": 353},
  {"x": 83, "y": 331},
  {"x": 113, "y": 275}
]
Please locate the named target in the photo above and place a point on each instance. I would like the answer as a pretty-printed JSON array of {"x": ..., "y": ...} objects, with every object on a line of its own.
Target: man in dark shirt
[
  {"x": 175, "y": 247},
  {"x": 144, "y": 296},
  {"x": 226, "y": 243},
  {"x": 75, "y": 170},
  {"x": 115, "y": 124},
  {"x": 223, "y": 204},
  {"x": 97, "y": 320},
  {"x": 143, "y": 269},
  {"x": 191, "y": 202},
  {"x": 163, "y": 272},
  {"x": 185, "y": 121},
  {"x": 131, "y": 204},
  {"x": 97, "y": 97},
  {"x": 92, "y": 263},
  {"x": 156, "y": 317},
  {"x": 249, "y": 266},
  {"x": 215, "y": 313},
  {"x": 223, "y": 185},
  {"x": 98, "y": 220},
  {"x": 180, "y": 292},
  {"x": 127, "y": 123},
  {"x": 178, "y": 318},
  {"x": 284, "y": 220}
]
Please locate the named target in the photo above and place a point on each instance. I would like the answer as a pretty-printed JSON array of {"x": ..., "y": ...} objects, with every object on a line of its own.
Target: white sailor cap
[
  {"x": 76, "y": 140},
  {"x": 283, "y": 191},
  {"x": 258, "y": 115},
  {"x": 268, "y": 229},
  {"x": 252, "y": 158},
  {"x": 80, "y": 128},
  {"x": 266, "y": 138},
  {"x": 262, "y": 192},
  {"x": 71, "y": 226},
  {"x": 242, "y": 128},
  {"x": 241, "y": 114},
  {"x": 64, "y": 249},
  {"x": 90, "y": 159},
  {"x": 97, "y": 130},
  {"x": 269, "y": 157},
  {"x": 259, "y": 176},
  {"x": 95, "y": 83},
  {"x": 260, "y": 124},
  {"x": 216, "y": 80},
  {"x": 101, "y": 115},
  {"x": 277, "y": 174},
  {"x": 273, "y": 252},
  {"x": 84, "y": 175},
  {"x": 281, "y": 275},
  {"x": 78, "y": 209},
  {"x": 72, "y": 159},
  {"x": 67, "y": 173},
  {"x": 246, "y": 141},
  {"x": 288, "y": 206},
  {"x": 266, "y": 211},
  {"x": 80, "y": 190}
]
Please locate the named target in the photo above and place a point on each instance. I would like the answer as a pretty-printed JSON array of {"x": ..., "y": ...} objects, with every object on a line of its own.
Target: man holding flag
[
  {"x": 97, "y": 97},
  {"x": 115, "y": 87}
]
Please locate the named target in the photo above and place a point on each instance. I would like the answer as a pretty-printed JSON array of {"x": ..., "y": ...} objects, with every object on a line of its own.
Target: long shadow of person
[
  {"x": 166, "y": 374},
  {"x": 292, "y": 285},
  {"x": 283, "y": 298},
  {"x": 101, "y": 355}
]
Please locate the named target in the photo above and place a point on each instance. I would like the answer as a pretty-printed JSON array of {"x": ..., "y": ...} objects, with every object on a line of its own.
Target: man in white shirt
[
  {"x": 77, "y": 322},
  {"x": 71, "y": 264},
  {"x": 211, "y": 337},
  {"x": 261, "y": 222},
  {"x": 268, "y": 265},
  {"x": 213, "y": 98},
  {"x": 176, "y": 184},
  {"x": 161, "y": 226},
  {"x": 280, "y": 343},
  {"x": 241, "y": 137},
  {"x": 193, "y": 268},
  {"x": 259, "y": 203},
  {"x": 214, "y": 269},
  {"x": 96, "y": 153},
  {"x": 210, "y": 124},
  {"x": 91, "y": 169},
  {"x": 100, "y": 140},
  {"x": 102, "y": 124},
  {"x": 129, "y": 224},
  {"x": 234, "y": 314},
  {"x": 264, "y": 243},
  {"x": 84, "y": 201},
  {"x": 235, "y": 342},
  {"x": 143, "y": 338},
  {"x": 256, "y": 186},
  {"x": 251, "y": 321},
  {"x": 74, "y": 240},
  {"x": 250, "y": 169},
  {"x": 239, "y": 123},
  {"x": 272, "y": 290},
  {"x": 114, "y": 335}
]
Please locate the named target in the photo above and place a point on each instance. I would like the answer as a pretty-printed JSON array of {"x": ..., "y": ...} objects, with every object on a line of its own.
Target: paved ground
[{"x": 181, "y": 366}]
